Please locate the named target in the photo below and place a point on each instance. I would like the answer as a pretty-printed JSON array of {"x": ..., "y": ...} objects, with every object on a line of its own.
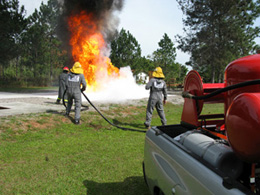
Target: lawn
[{"x": 47, "y": 154}]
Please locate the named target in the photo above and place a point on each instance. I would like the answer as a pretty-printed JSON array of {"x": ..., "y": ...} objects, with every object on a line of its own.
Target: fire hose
[
  {"x": 119, "y": 127},
  {"x": 186, "y": 94}
]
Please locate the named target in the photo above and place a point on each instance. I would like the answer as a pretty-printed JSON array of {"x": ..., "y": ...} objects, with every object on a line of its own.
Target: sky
[
  {"x": 149, "y": 20},
  {"x": 146, "y": 20}
]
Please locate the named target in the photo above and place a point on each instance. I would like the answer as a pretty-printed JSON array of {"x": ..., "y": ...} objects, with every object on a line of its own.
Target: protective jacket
[{"x": 157, "y": 88}]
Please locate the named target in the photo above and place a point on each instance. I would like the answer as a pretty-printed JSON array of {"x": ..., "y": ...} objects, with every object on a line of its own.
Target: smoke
[{"x": 103, "y": 14}]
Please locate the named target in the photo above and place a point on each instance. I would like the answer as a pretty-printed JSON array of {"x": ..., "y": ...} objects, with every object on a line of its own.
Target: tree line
[
  {"x": 31, "y": 53},
  {"x": 216, "y": 32}
]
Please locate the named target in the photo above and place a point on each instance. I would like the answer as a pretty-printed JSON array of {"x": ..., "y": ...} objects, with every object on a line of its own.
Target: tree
[
  {"x": 182, "y": 73},
  {"x": 30, "y": 50},
  {"x": 165, "y": 57},
  {"x": 12, "y": 24},
  {"x": 49, "y": 15},
  {"x": 217, "y": 32},
  {"x": 42, "y": 51},
  {"x": 125, "y": 50},
  {"x": 145, "y": 65},
  {"x": 166, "y": 54}
]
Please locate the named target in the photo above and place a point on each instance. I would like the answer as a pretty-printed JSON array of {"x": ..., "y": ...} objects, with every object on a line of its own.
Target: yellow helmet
[
  {"x": 158, "y": 73},
  {"x": 77, "y": 68}
]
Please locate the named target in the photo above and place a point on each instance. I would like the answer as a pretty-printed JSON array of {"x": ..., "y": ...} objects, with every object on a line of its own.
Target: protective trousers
[
  {"x": 158, "y": 104},
  {"x": 77, "y": 100},
  {"x": 62, "y": 87}
]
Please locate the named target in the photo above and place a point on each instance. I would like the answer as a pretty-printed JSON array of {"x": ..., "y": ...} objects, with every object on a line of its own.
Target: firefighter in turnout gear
[
  {"x": 74, "y": 82},
  {"x": 62, "y": 85},
  {"x": 158, "y": 96}
]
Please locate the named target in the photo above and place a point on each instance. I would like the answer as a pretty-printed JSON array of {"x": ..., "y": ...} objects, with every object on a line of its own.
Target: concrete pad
[
  {"x": 16, "y": 108},
  {"x": 8, "y": 95},
  {"x": 25, "y": 103}
]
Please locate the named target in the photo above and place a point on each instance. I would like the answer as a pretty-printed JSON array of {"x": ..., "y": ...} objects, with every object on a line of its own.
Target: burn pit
[
  {"x": 88, "y": 49},
  {"x": 85, "y": 28}
]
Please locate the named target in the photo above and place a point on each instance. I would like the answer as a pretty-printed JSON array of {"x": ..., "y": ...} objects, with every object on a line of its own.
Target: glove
[
  {"x": 164, "y": 101},
  {"x": 83, "y": 89}
]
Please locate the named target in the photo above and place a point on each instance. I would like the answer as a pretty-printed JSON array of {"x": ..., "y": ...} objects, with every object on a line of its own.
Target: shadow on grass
[
  {"x": 83, "y": 106},
  {"x": 54, "y": 103},
  {"x": 62, "y": 113},
  {"x": 139, "y": 126},
  {"x": 130, "y": 186}
]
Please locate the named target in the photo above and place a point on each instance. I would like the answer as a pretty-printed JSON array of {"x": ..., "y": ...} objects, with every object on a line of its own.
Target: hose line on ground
[
  {"x": 186, "y": 94},
  {"x": 123, "y": 128}
]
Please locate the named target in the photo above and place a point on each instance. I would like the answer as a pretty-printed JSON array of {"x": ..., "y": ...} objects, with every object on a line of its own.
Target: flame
[{"x": 87, "y": 45}]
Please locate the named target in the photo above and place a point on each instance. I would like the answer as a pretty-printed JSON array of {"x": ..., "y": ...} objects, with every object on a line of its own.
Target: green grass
[
  {"x": 213, "y": 109},
  {"x": 47, "y": 154}
]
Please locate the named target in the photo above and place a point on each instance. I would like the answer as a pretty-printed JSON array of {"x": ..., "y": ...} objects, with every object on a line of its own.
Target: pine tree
[
  {"x": 125, "y": 50},
  {"x": 217, "y": 32},
  {"x": 12, "y": 24},
  {"x": 165, "y": 58}
]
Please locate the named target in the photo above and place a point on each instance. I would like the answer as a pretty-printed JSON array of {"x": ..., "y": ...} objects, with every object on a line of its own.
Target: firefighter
[
  {"x": 158, "y": 96},
  {"x": 74, "y": 82},
  {"x": 62, "y": 81}
]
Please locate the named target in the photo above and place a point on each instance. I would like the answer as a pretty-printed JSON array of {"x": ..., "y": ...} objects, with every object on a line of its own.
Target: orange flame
[{"x": 87, "y": 46}]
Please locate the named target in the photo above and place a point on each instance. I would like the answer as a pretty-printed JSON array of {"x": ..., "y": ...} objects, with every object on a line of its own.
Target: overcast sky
[{"x": 146, "y": 20}]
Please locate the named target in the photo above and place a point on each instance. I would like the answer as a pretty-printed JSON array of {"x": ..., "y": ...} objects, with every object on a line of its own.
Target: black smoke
[{"x": 103, "y": 12}]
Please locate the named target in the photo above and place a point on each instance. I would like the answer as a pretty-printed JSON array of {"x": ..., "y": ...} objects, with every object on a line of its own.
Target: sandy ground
[{"x": 25, "y": 103}]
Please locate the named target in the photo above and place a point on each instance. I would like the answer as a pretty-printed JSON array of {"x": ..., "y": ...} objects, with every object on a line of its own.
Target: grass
[
  {"x": 212, "y": 109},
  {"x": 47, "y": 154}
]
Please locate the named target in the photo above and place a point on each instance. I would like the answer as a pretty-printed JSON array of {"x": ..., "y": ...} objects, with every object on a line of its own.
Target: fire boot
[
  {"x": 147, "y": 126},
  {"x": 77, "y": 121},
  {"x": 67, "y": 114}
]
